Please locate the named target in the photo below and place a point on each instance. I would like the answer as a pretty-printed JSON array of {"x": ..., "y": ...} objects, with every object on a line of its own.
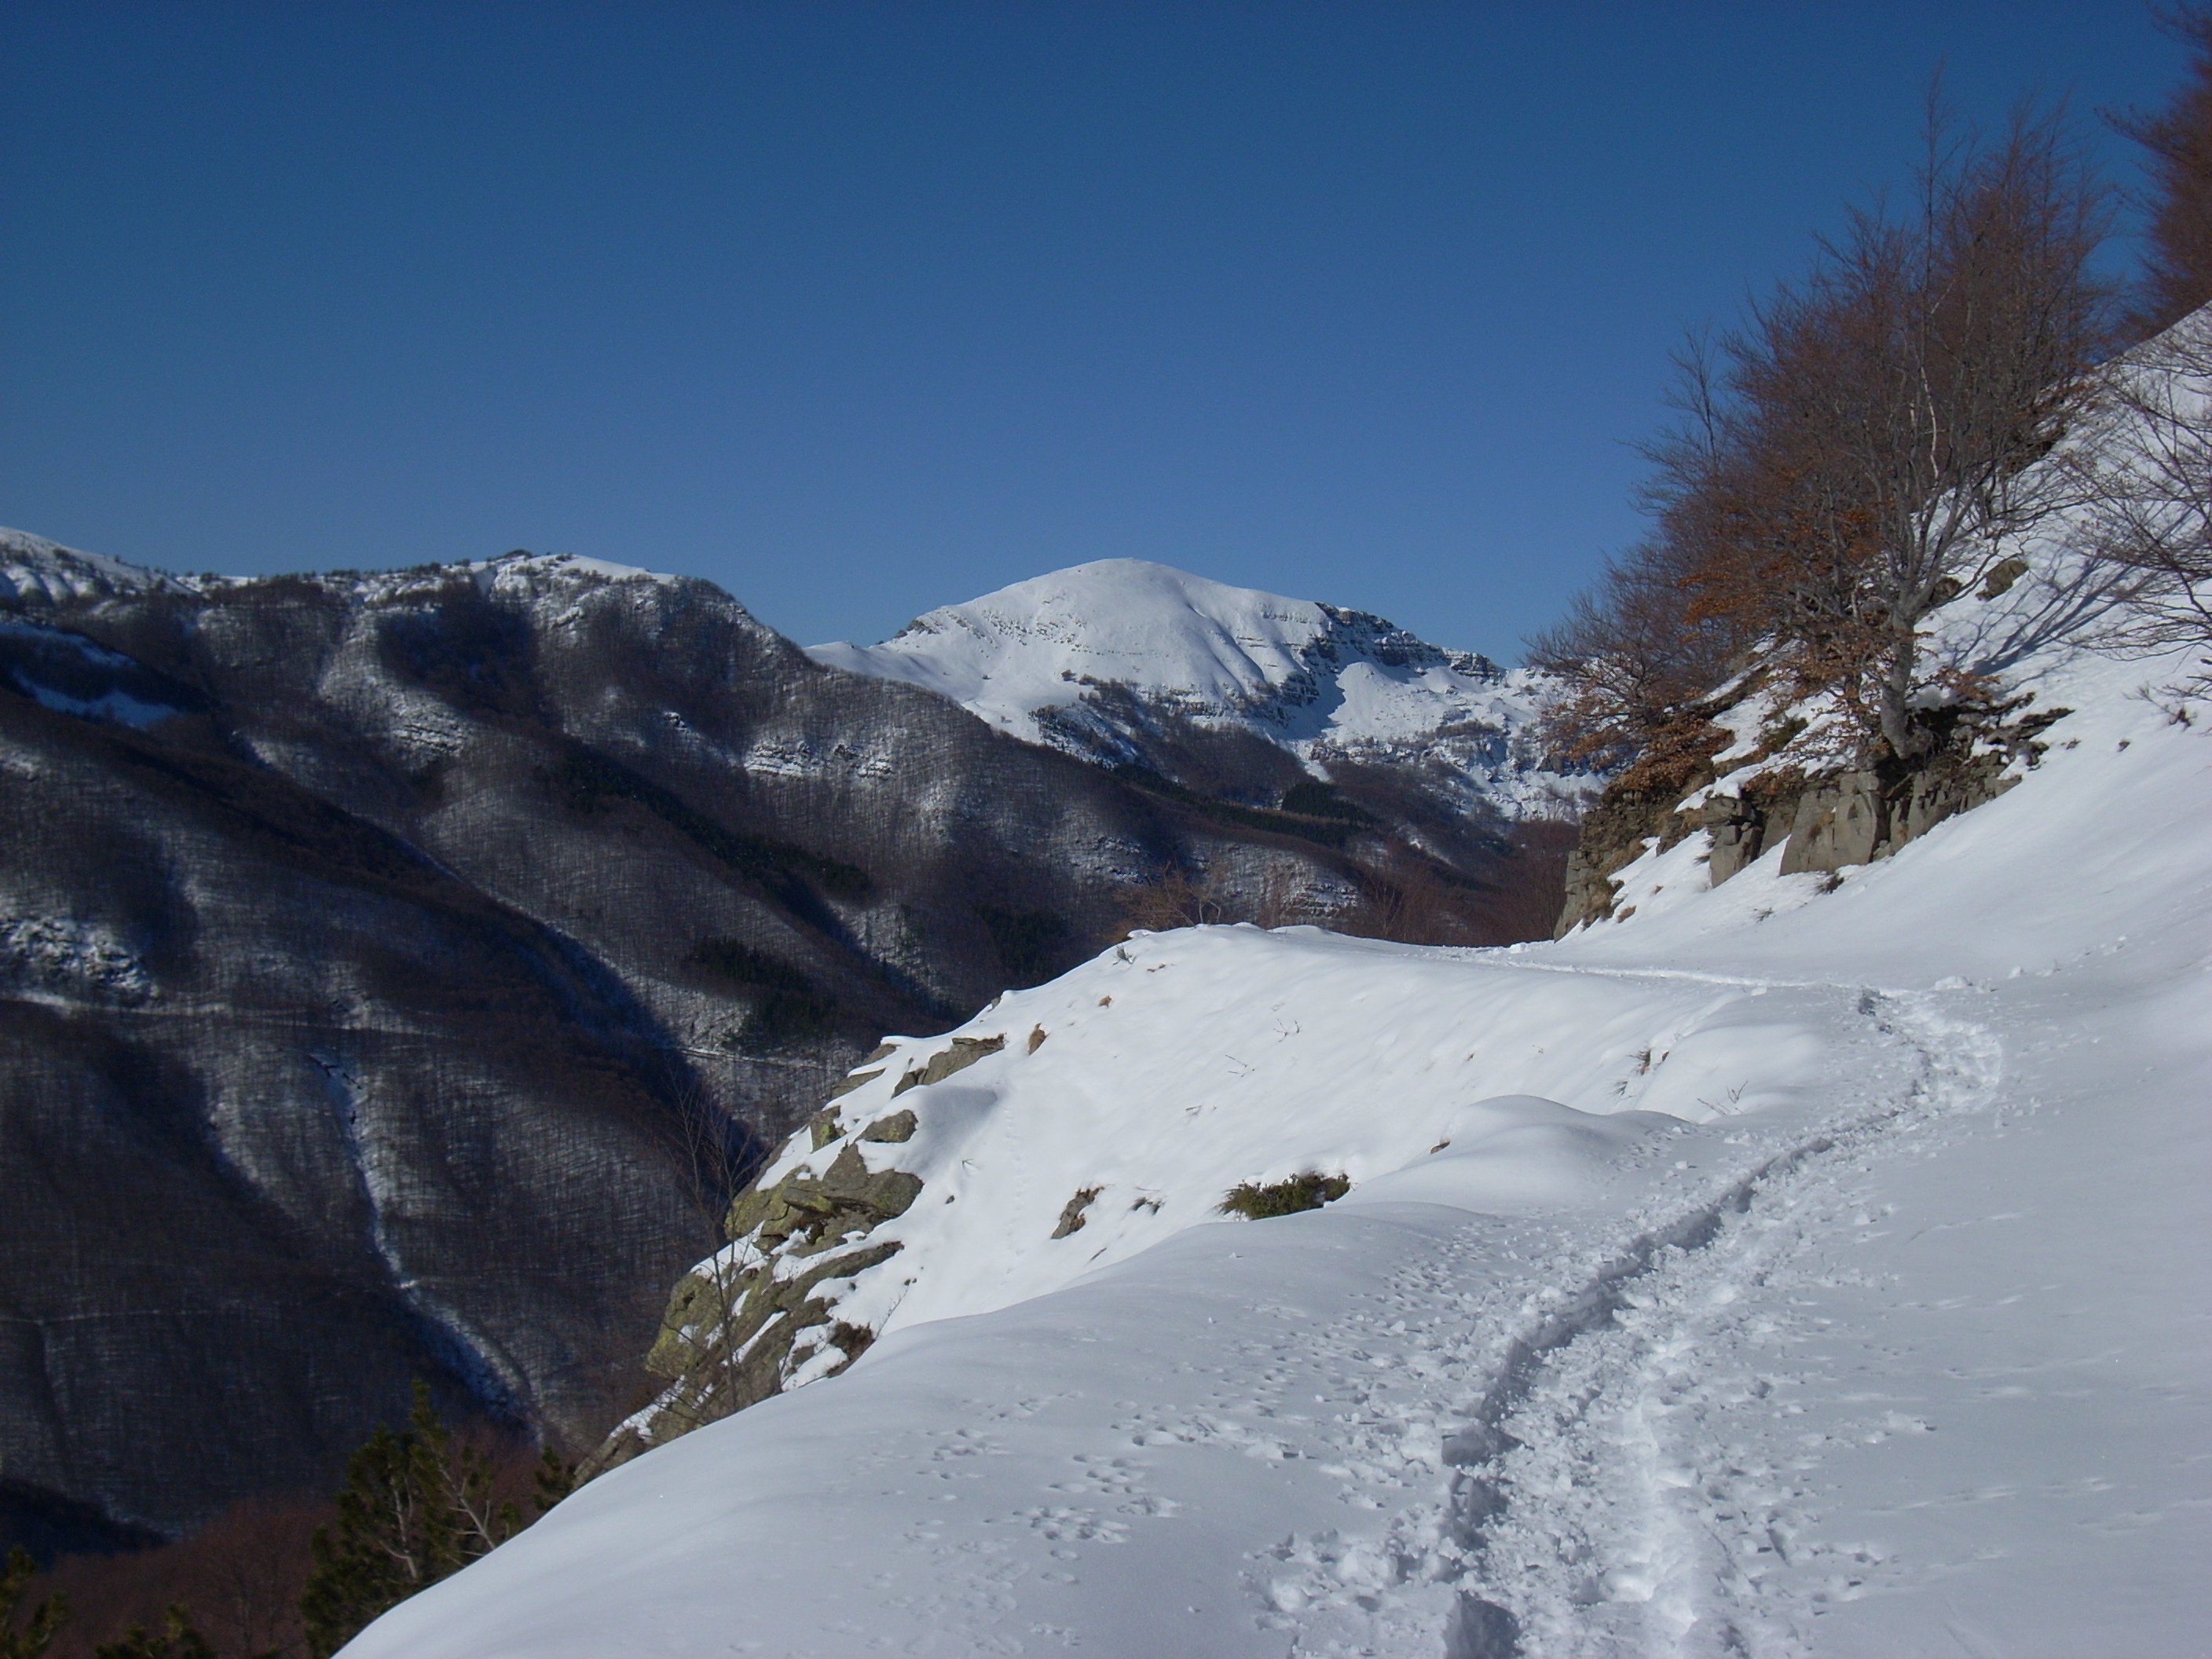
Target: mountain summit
[{"x": 1128, "y": 663}]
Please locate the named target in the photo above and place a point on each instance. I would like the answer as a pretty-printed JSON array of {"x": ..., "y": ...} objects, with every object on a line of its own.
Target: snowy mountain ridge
[
  {"x": 1091, "y": 659},
  {"x": 37, "y": 570},
  {"x": 352, "y": 913},
  {"x": 32, "y": 567}
]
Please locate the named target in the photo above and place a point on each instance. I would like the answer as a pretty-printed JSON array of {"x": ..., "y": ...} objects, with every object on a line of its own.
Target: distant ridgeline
[{"x": 400, "y": 971}]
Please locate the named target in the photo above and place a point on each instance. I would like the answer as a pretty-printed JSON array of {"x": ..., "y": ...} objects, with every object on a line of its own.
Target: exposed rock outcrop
[
  {"x": 1638, "y": 805},
  {"x": 963, "y": 1053},
  {"x": 1823, "y": 816},
  {"x": 750, "y": 1320}
]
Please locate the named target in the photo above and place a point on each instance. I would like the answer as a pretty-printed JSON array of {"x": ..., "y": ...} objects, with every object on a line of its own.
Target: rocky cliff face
[
  {"x": 1750, "y": 778},
  {"x": 398, "y": 972}
]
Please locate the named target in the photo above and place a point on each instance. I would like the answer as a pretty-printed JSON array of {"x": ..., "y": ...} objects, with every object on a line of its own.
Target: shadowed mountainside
[{"x": 397, "y": 971}]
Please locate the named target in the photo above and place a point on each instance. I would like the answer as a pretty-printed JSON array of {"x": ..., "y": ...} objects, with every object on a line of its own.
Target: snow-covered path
[
  {"x": 1891, "y": 1340},
  {"x": 1634, "y": 1474}
]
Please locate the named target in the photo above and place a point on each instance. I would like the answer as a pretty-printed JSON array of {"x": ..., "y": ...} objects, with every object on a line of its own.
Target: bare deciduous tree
[
  {"x": 2151, "y": 483},
  {"x": 1173, "y": 899},
  {"x": 2178, "y": 266},
  {"x": 1888, "y": 413},
  {"x": 1632, "y": 654},
  {"x": 697, "y": 1345},
  {"x": 1867, "y": 445}
]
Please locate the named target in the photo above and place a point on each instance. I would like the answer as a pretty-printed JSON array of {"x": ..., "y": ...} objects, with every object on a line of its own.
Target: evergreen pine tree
[
  {"x": 555, "y": 1479},
  {"x": 47, "y": 1618},
  {"x": 415, "y": 1508},
  {"x": 178, "y": 1640}
]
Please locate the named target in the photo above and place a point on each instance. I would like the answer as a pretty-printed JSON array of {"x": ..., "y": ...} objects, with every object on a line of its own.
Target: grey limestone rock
[{"x": 963, "y": 1053}]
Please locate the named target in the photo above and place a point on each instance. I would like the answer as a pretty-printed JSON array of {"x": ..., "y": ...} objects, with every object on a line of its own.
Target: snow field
[{"x": 1180, "y": 1064}]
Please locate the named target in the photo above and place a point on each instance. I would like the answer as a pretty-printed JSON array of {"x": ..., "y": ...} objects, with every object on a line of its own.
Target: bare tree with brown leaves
[
  {"x": 1632, "y": 652},
  {"x": 2177, "y": 263},
  {"x": 698, "y": 1346},
  {"x": 1867, "y": 446},
  {"x": 1175, "y": 898}
]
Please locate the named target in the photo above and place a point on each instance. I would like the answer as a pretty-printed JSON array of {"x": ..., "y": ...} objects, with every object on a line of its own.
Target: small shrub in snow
[{"x": 1308, "y": 1191}]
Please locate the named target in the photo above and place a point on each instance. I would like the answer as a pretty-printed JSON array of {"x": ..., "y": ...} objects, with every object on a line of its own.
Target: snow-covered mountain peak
[
  {"x": 1138, "y": 623},
  {"x": 1097, "y": 658}
]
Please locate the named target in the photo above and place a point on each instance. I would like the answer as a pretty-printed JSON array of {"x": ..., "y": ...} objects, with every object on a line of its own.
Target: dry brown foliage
[
  {"x": 1632, "y": 649},
  {"x": 2178, "y": 265},
  {"x": 1173, "y": 899},
  {"x": 239, "y": 1578},
  {"x": 1410, "y": 900},
  {"x": 1401, "y": 895},
  {"x": 1177, "y": 898},
  {"x": 1862, "y": 450},
  {"x": 1677, "y": 756},
  {"x": 1532, "y": 884}
]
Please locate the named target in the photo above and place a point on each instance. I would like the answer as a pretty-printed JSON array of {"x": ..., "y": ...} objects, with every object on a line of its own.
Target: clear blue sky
[{"x": 860, "y": 309}]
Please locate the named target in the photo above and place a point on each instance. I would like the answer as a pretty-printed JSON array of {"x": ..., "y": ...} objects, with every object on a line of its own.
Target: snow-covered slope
[
  {"x": 33, "y": 568},
  {"x": 1091, "y": 659},
  {"x": 1799, "y": 1267}
]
